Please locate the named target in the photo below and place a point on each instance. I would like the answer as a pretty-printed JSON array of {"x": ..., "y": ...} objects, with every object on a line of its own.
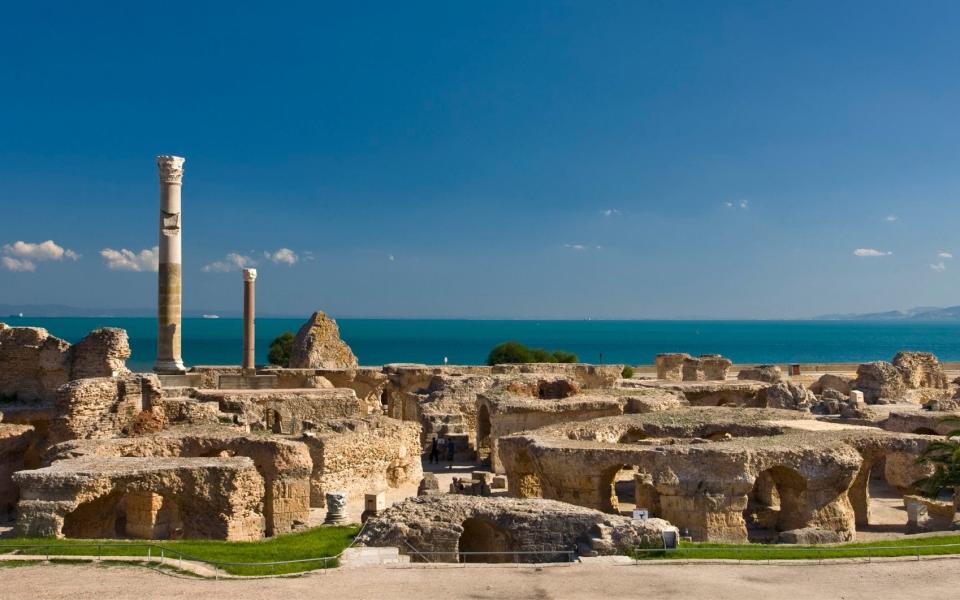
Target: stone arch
[
  {"x": 480, "y": 535},
  {"x": 777, "y": 502},
  {"x": 100, "y": 517}
]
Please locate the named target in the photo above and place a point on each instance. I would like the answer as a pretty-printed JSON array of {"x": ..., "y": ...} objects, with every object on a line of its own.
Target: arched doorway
[
  {"x": 483, "y": 536},
  {"x": 483, "y": 433},
  {"x": 775, "y": 504}
]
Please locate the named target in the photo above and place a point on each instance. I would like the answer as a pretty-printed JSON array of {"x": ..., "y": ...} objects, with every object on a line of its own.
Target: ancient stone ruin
[{"x": 558, "y": 456}]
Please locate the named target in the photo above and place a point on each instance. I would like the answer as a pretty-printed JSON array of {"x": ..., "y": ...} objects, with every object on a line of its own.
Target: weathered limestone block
[
  {"x": 670, "y": 365},
  {"x": 318, "y": 346},
  {"x": 920, "y": 370},
  {"x": 925, "y": 514},
  {"x": 207, "y": 498},
  {"x": 360, "y": 455},
  {"x": 767, "y": 373},
  {"x": 498, "y": 527},
  {"x": 790, "y": 396},
  {"x": 809, "y": 536},
  {"x": 902, "y": 470},
  {"x": 715, "y": 367},
  {"x": 103, "y": 353},
  {"x": 832, "y": 381},
  {"x": 880, "y": 382}
]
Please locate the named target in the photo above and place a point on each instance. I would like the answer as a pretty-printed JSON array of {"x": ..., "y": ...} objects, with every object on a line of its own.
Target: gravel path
[{"x": 598, "y": 578}]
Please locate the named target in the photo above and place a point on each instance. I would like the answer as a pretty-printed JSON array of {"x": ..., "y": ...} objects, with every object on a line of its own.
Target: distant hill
[{"x": 920, "y": 313}]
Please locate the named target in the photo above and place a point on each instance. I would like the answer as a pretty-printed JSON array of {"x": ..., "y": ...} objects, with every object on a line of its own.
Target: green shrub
[
  {"x": 515, "y": 352},
  {"x": 280, "y": 349},
  {"x": 627, "y": 372},
  {"x": 562, "y": 356}
]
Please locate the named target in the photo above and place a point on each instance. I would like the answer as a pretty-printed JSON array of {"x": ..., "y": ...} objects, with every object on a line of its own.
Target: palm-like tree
[{"x": 944, "y": 455}]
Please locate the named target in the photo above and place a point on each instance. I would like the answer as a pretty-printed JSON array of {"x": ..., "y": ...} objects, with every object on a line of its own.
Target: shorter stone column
[
  {"x": 249, "y": 312},
  {"x": 336, "y": 503}
]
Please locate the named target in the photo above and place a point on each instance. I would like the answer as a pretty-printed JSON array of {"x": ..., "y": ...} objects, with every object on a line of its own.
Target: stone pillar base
[{"x": 169, "y": 367}]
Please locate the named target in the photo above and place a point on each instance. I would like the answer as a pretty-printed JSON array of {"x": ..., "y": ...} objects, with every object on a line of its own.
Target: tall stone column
[
  {"x": 170, "y": 277},
  {"x": 249, "y": 311}
]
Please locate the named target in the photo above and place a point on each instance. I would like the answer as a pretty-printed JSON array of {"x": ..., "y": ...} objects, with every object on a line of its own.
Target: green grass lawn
[
  {"x": 902, "y": 547},
  {"x": 312, "y": 544}
]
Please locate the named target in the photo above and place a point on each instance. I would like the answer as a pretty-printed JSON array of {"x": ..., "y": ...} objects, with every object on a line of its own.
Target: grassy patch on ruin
[
  {"x": 925, "y": 546},
  {"x": 313, "y": 544}
]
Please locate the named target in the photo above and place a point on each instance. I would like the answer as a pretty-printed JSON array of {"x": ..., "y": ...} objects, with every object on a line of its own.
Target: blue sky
[{"x": 495, "y": 159}]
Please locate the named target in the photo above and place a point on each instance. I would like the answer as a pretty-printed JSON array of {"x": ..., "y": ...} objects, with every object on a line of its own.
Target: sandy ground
[{"x": 596, "y": 579}]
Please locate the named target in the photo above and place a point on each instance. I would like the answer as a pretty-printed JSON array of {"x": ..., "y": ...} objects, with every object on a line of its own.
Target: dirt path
[{"x": 602, "y": 578}]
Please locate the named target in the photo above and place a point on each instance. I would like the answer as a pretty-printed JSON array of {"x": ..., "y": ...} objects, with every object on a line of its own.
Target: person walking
[{"x": 434, "y": 452}]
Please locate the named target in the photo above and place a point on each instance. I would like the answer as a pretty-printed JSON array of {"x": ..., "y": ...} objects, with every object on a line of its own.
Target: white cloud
[
  {"x": 17, "y": 264},
  {"x": 944, "y": 254},
  {"x": 741, "y": 204},
  {"x": 24, "y": 256},
  {"x": 577, "y": 247},
  {"x": 283, "y": 256},
  {"x": 610, "y": 212},
  {"x": 891, "y": 218},
  {"x": 868, "y": 252},
  {"x": 391, "y": 258},
  {"x": 147, "y": 259},
  {"x": 232, "y": 262},
  {"x": 939, "y": 267}
]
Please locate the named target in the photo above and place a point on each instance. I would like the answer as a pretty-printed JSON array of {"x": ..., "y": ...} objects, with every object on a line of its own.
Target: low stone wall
[
  {"x": 362, "y": 456},
  {"x": 284, "y": 411},
  {"x": 206, "y": 498}
]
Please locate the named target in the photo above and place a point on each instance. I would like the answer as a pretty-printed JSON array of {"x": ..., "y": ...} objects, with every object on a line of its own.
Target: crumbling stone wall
[
  {"x": 101, "y": 407},
  {"x": 215, "y": 498},
  {"x": 284, "y": 411},
  {"x": 285, "y": 466},
  {"x": 362, "y": 456},
  {"x": 33, "y": 363}
]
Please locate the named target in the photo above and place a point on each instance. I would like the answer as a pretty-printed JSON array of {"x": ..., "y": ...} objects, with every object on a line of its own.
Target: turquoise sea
[{"x": 380, "y": 341}]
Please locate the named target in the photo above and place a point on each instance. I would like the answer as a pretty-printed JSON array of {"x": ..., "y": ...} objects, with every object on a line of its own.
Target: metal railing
[
  {"x": 786, "y": 552},
  {"x": 157, "y": 554},
  {"x": 506, "y": 557}
]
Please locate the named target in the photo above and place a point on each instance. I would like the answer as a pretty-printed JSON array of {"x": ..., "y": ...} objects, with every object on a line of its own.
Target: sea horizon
[{"x": 378, "y": 341}]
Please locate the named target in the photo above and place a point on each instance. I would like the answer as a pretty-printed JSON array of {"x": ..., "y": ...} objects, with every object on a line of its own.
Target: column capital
[
  {"x": 249, "y": 274},
  {"x": 171, "y": 168}
]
